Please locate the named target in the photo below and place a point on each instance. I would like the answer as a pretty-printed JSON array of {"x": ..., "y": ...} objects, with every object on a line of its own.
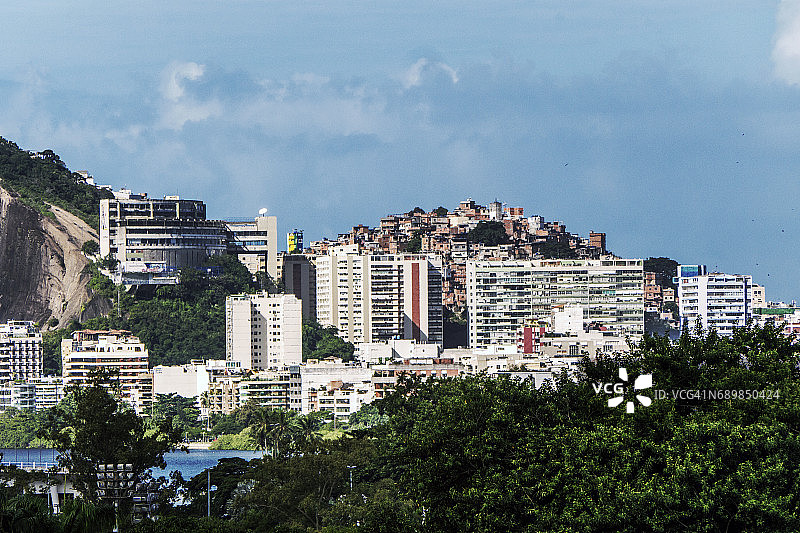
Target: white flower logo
[{"x": 645, "y": 381}]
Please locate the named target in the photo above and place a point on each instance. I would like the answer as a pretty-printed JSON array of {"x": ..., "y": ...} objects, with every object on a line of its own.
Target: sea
[{"x": 188, "y": 464}]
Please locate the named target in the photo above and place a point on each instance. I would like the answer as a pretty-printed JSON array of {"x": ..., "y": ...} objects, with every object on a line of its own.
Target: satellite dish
[{"x": 262, "y": 211}]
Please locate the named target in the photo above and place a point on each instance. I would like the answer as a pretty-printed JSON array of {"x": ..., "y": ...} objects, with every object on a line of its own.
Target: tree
[
  {"x": 90, "y": 248},
  {"x": 182, "y": 413},
  {"x": 468, "y": 451},
  {"x": 441, "y": 211},
  {"x": 93, "y": 428},
  {"x": 320, "y": 342},
  {"x": 489, "y": 233},
  {"x": 665, "y": 269}
]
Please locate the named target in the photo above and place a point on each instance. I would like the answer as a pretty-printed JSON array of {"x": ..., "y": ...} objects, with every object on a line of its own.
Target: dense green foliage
[
  {"x": 441, "y": 211},
  {"x": 181, "y": 413},
  {"x": 490, "y": 233},
  {"x": 39, "y": 182},
  {"x": 320, "y": 342},
  {"x": 556, "y": 249},
  {"x": 19, "y": 428},
  {"x": 665, "y": 269}
]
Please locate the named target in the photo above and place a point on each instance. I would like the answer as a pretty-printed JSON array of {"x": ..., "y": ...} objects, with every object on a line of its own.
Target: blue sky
[{"x": 673, "y": 126}]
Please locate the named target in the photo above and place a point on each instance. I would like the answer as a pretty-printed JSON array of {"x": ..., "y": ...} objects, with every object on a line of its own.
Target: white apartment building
[
  {"x": 255, "y": 243},
  {"x": 504, "y": 296},
  {"x": 263, "y": 332},
  {"x": 117, "y": 351},
  {"x": 373, "y": 298},
  {"x": 152, "y": 238},
  {"x": 719, "y": 301},
  {"x": 20, "y": 351}
]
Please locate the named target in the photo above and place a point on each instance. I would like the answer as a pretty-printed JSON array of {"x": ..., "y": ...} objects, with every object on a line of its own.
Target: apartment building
[
  {"x": 299, "y": 276},
  {"x": 152, "y": 238},
  {"x": 263, "y": 332},
  {"x": 116, "y": 351},
  {"x": 255, "y": 243},
  {"x": 720, "y": 301},
  {"x": 372, "y": 298},
  {"x": 504, "y": 296},
  {"x": 20, "y": 351}
]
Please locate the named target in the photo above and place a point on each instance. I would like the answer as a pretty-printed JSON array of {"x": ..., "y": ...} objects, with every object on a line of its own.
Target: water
[
  {"x": 188, "y": 464},
  {"x": 192, "y": 463}
]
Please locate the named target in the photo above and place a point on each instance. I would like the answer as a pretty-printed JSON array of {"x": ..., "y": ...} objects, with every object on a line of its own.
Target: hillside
[{"x": 42, "y": 270}]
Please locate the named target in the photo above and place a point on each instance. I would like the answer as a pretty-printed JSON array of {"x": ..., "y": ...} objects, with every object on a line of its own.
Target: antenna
[{"x": 262, "y": 211}]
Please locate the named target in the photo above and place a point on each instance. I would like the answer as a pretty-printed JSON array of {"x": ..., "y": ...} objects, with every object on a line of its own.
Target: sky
[{"x": 673, "y": 126}]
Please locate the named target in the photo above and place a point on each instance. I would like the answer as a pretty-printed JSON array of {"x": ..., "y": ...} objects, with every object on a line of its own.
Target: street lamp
[
  {"x": 115, "y": 482},
  {"x": 350, "y": 468}
]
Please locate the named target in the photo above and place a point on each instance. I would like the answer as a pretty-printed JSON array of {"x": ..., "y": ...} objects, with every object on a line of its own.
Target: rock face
[{"x": 42, "y": 266}]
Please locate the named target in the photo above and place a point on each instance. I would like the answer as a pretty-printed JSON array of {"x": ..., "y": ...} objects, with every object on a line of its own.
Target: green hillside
[{"x": 39, "y": 182}]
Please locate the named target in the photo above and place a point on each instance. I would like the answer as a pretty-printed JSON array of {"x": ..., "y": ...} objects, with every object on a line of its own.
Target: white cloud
[
  {"x": 786, "y": 53},
  {"x": 413, "y": 76},
  {"x": 174, "y": 75},
  {"x": 180, "y": 108}
]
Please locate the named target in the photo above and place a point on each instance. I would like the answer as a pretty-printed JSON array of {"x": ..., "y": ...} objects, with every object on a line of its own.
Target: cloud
[
  {"x": 786, "y": 52},
  {"x": 179, "y": 107},
  {"x": 413, "y": 77},
  {"x": 174, "y": 75}
]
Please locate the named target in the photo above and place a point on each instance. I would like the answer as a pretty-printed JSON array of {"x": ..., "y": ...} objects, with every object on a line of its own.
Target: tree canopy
[{"x": 489, "y": 233}]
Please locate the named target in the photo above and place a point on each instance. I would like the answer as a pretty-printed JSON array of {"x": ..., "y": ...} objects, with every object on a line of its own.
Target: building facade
[
  {"x": 255, "y": 243},
  {"x": 263, "y": 332},
  {"x": 152, "y": 238},
  {"x": 114, "y": 351},
  {"x": 374, "y": 298},
  {"x": 504, "y": 296},
  {"x": 20, "y": 351},
  {"x": 723, "y": 302}
]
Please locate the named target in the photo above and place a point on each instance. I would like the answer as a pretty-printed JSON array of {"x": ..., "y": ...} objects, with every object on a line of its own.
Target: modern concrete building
[
  {"x": 723, "y": 302},
  {"x": 153, "y": 238},
  {"x": 299, "y": 275},
  {"x": 117, "y": 351},
  {"x": 503, "y": 296},
  {"x": 263, "y": 332},
  {"x": 255, "y": 243},
  {"x": 372, "y": 298},
  {"x": 20, "y": 351}
]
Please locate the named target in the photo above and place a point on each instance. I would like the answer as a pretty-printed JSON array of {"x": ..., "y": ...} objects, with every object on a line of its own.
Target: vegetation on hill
[
  {"x": 39, "y": 182},
  {"x": 177, "y": 323},
  {"x": 320, "y": 342},
  {"x": 489, "y": 233},
  {"x": 665, "y": 269}
]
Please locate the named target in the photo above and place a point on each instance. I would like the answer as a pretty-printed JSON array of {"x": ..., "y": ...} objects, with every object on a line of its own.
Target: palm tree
[
  {"x": 282, "y": 430},
  {"x": 307, "y": 433},
  {"x": 261, "y": 427},
  {"x": 83, "y": 516}
]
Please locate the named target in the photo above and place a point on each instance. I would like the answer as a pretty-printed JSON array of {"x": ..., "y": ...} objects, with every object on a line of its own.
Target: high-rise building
[
  {"x": 723, "y": 302},
  {"x": 504, "y": 296},
  {"x": 20, "y": 351},
  {"x": 117, "y": 351},
  {"x": 300, "y": 278},
  {"x": 263, "y": 332},
  {"x": 294, "y": 242},
  {"x": 255, "y": 243},
  {"x": 371, "y": 298},
  {"x": 153, "y": 238}
]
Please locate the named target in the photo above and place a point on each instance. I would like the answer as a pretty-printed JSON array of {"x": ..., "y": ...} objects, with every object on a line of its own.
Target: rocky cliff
[{"x": 41, "y": 265}]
